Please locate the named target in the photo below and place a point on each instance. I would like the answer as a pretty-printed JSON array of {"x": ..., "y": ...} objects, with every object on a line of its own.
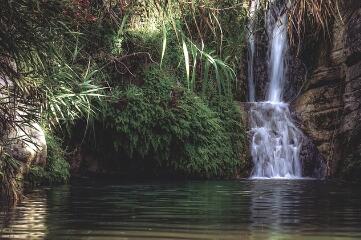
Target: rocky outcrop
[
  {"x": 329, "y": 107},
  {"x": 27, "y": 144},
  {"x": 313, "y": 163},
  {"x": 22, "y": 145},
  {"x": 21, "y": 138}
]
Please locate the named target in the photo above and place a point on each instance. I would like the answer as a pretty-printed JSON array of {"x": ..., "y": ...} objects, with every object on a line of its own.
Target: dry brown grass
[{"x": 310, "y": 16}]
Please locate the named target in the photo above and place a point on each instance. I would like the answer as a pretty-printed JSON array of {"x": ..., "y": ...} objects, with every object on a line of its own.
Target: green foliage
[
  {"x": 230, "y": 114},
  {"x": 56, "y": 170},
  {"x": 9, "y": 168},
  {"x": 43, "y": 56},
  {"x": 215, "y": 71},
  {"x": 70, "y": 93},
  {"x": 26, "y": 29},
  {"x": 193, "y": 38},
  {"x": 163, "y": 121},
  {"x": 118, "y": 39},
  {"x": 46, "y": 74},
  {"x": 204, "y": 62},
  {"x": 72, "y": 53}
]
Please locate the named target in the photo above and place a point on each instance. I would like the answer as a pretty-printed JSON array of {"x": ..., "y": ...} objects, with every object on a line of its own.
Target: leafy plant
[
  {"x": 62, "y": 57},
  {"x": 70, "y": 94},
  {"x": 9, "y": 169},
  {"x": 203, "y": 68},
  {"x": 56, "y": 170},
  {"x": 170, "y": 124}
]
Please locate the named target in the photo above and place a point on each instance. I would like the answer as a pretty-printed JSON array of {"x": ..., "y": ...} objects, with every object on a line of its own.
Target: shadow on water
[{"x": 252, "y": 209}]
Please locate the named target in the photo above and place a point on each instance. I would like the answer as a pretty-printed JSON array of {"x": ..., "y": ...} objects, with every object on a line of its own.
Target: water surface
[{"x": 257, "y": 209}]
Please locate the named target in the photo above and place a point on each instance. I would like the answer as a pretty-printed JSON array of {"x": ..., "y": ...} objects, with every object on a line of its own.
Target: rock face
[
  {"x": 329, "y": 107},
  {"x": 24, "y": 142},
  {"x": 28, "y": 145}
]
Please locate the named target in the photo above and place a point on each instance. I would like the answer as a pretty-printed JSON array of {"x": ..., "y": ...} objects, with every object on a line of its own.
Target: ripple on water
[{"x": 254, "y": 209}]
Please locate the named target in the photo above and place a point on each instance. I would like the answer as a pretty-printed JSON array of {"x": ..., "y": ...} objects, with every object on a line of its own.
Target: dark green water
[{"x": 302, "y": 209}]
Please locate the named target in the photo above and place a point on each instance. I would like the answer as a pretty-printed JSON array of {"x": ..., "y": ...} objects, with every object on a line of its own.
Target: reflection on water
[
  {"x": 27, "y": 221},
  {"x": 193, "y": 210}
]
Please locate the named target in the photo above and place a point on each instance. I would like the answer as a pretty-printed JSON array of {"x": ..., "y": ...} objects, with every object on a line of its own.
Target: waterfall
[
  {"x": 278, "y": 46},
  {"x": 251, "y": 49},
  {"x": 275, "y": 140}
]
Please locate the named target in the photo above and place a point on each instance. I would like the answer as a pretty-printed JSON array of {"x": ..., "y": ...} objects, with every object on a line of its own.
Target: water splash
[{"x": 276, "y": 141}]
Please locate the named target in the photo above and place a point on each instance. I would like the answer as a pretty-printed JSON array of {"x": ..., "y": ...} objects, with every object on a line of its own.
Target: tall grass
[
  {"x": 311, "y": 17},
  {"x": 198, "y": 28},
  {"x": 214, "y": 69}
]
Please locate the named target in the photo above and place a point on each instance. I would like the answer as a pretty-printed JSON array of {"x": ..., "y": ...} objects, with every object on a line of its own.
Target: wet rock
[{"x": 313, "y": 164}]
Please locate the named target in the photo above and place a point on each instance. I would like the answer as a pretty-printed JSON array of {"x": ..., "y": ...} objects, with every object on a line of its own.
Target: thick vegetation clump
[
  {"x": 56, "y": 170},
  {"x": 164, "y": 121}
]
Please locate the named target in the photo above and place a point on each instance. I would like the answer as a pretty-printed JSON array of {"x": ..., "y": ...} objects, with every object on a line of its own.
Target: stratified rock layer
[{"x": 330, "y": 106}]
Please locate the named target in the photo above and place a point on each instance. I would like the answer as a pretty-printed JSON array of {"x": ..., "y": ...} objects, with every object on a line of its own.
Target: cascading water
[
  {"x": 276, "y": 141},
  {"x": 252, "y": 48},
  {"x": 278, "y": 46}
]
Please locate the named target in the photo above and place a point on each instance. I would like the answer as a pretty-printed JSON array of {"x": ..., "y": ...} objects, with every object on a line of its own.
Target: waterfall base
[{"x": 275, "y": 142}]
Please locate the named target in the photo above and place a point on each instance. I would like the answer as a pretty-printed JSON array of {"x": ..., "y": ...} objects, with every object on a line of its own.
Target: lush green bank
[
  {"x": 143, "y": 87},
  {"x": 149, "y": 88}
]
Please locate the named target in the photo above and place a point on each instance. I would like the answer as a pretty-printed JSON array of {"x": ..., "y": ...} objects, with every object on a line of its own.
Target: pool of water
[{"x": 256, "y": 209}]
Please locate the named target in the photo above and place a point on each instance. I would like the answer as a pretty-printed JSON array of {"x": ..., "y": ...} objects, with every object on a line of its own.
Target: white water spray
[{"x": 276, "y": 141}]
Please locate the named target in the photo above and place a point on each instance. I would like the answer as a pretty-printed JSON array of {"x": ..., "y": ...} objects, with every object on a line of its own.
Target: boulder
[
  {"x": 24, "y": 140},
  {"x": 27, "y": 144}
]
